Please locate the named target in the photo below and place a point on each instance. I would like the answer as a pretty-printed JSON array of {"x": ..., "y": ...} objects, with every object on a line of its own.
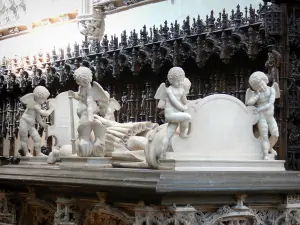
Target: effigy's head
[
  {"x": 186, "y": 86},
  {"x": 258, "y": 81},
  {"x": 176, "y": 76},
  {"x": 83, "y": 76},
  {"x": 41, "y": 94}
]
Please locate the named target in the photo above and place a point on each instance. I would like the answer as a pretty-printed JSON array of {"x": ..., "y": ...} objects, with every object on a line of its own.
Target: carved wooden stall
[{"x": 218, "y": 54}]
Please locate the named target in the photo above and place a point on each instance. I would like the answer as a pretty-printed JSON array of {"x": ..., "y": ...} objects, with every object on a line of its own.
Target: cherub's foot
[
  {"x": 85, "y": 148},
  {"x": 39, "y": 154},
  {"x": 272, "y": 151},
  {"x": 98, "y": 149},
  {"x": 266, "y": 158},
  {"x": 183, "y": 135}
]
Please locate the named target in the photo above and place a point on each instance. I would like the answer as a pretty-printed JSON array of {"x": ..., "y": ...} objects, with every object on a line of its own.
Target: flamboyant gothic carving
[{"x": 8, "y": 211}]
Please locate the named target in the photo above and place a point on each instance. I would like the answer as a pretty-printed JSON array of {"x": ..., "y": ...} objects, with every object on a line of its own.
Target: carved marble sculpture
[
  {"x": 92, "y": 100},
  {"x": 173, "y": 101},
  {"x": 149, "y": 144},
  {"x": 263, "y": 98},
  {"x": 33, "y": 113}
]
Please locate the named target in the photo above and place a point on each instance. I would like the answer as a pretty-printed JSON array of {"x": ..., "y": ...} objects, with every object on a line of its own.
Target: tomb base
[{"x": 194, "y": 164}]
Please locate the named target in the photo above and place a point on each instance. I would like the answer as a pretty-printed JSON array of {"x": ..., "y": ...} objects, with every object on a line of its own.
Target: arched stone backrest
[{"x": 221, "y": 128}]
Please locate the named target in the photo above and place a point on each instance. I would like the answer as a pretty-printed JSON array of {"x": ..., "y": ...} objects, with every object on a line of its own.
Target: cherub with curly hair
[
  {"x": 263, "y": 97},
  {"x": 92, "y": 99},
  {"x": 173, "y": 100},
  {"x": 33, "y": 113}
]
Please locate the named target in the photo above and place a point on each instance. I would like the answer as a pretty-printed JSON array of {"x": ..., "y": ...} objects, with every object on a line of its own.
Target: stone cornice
[{"x": 160, "y": 181}]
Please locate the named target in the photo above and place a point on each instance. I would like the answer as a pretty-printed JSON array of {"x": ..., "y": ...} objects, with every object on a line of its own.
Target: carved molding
[{"x": 224, "y": 215}]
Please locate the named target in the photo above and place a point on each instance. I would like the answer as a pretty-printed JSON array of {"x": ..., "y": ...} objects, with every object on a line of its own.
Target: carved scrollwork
[
  {"x": 104, "y": 214},
  {"x": 7, "y": 209}
]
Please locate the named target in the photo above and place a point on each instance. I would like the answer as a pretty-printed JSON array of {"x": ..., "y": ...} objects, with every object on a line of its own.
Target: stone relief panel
[{"x": 11, "y": 11}]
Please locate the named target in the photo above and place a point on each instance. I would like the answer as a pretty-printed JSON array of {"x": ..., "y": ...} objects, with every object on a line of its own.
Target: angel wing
[
  {"x": 114, "y": 104},
  {"x": 249, "y": 95},
  {"x": 99, "y": 94},
  {"x": 277, "y": 90},
  {"x": 28, "y": 100},
  {"x": 161, "y": 95}
]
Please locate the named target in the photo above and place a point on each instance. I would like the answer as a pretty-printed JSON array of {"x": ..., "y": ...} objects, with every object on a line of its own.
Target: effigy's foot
[{"x": 266, "y": 158}]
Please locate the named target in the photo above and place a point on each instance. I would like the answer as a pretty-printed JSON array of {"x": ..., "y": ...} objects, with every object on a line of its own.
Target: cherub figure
[
  {"x": 173, "y": 100},
  {"x": 33, "y": 113},
  {"x": 263, "y": 97},
  {"x": 92, "y": 99}
]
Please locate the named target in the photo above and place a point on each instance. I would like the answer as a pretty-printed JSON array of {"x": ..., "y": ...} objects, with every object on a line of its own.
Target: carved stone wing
[
  {"x": 99, "y": 94},
  {"x": 161, "y": 94},
  {"x": 28, "y": 100},
  {"x": 249, "y": 95},
  {"x": 114, "y": 104},
  {"x": 277, "y": 90}
]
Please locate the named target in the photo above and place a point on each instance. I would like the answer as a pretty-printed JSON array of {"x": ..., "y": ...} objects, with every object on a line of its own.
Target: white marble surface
[
  {"x": 61, "y": 128},
  {"x": 221, "y": 130}
]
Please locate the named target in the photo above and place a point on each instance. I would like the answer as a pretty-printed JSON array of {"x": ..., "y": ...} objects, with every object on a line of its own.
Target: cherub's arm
[
  {"x": 253, "y": 99},
  {"x": 184, "y": 99},
  {"x": 89, "y": 101},
  {"x": 75, "y": 95},
  {"x": 40, "y": 120},
  {"x": 41, "y": 112},
  {"x": 177, "y": 104},
  {"x": 270, "y": 102}
]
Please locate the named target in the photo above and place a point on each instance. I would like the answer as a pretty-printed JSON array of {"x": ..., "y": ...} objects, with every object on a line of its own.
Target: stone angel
[
  {"x": 33, "y": 113},
  {"x": 93, "y": 99},
  {"x": 263, "y": 97},
  {"x": 174, "y": 102}
]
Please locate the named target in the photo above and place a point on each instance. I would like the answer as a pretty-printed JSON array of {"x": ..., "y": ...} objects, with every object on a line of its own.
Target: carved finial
[
  {"x": 69, "y": 54},
  {"x": 155, "y": 34},
  {"x": 133, "y": 38},
  {"x": 176, "y": 29},
  {"x": 186, "y": 26},
  {"x": 76, "y": 50},
  {"x": 211, "y": 21},
  {"x": 123, "y": 43},
  {"x": 54, "y": 56},
  {"x": 164, "y": 31},
  {"x": 251, "y": 15},
  {"x": 144, "y": 35},
  {"x": 224, "y": 19},
  {"x": 105, "y": 43}
]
